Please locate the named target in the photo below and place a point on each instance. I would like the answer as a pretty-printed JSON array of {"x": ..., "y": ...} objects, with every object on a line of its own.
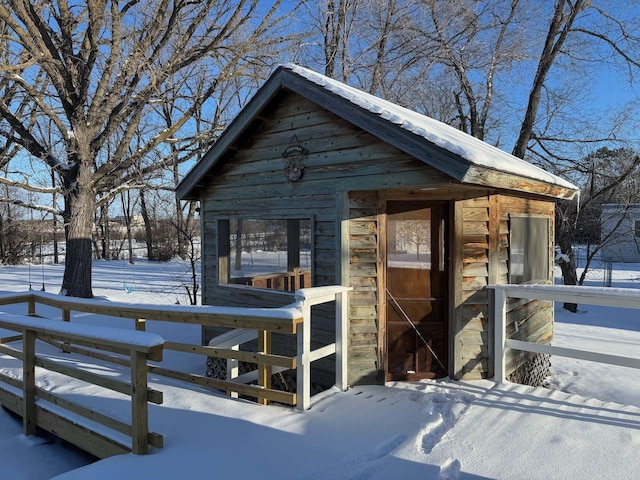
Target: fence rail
[
  {"x": 294, "y": 319},
  {"x": 20, "y": 395},
  {"x": 610, "y": 297}
]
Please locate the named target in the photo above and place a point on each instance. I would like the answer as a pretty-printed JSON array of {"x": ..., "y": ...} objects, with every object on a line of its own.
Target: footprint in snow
[
  {"x": 450, "y": 470},
  {"x": 361, "y": 466},
  {"x": 442, "y": 411}
]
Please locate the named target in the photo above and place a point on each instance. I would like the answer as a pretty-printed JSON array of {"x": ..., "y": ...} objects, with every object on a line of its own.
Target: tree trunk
[
  {"x": 568, "y": 267},
  {"x": 104, "y": 230},
  {"x": 56, "y": 256},
  {"x": 79, "y": 213},
  {"x": 147, "y": 226},
  {"x": 181, "y": 223},
  {"x": 125, "y": 200},
  {"x": 559, "y": 28}
]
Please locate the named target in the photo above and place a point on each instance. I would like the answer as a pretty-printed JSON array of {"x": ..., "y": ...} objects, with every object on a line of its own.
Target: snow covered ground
[{"x": 587, "y": 426}]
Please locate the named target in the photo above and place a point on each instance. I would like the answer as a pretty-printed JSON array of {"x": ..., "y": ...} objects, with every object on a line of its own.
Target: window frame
[
  {"x": 548, "y": 249},
  {"x": 223, "y": 244}
]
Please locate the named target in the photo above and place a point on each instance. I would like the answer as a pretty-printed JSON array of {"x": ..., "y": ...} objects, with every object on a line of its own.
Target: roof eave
[
  {"x": 449, "y": 163},
  {"x": 497, "y": 179}
]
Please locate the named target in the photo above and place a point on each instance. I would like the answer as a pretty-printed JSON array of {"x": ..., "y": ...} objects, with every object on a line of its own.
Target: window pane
[
  {"x": 529, "y": 249},
  {"x": 409, "y": 239},
  {"x": 257, "y": 247},
  {"x": 269, "y": 253}
]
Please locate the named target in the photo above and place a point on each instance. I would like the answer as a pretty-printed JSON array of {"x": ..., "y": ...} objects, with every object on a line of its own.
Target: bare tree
[
  {"x": 95, "y": 69},
  {"x": 506, "y": 71},
  {"x": 604, "y": 176}
]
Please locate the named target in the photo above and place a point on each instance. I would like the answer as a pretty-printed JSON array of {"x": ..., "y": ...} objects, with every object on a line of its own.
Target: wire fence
[{"x": 605, "y": 273}]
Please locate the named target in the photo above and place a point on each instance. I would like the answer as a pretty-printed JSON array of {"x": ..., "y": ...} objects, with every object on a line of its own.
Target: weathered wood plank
[
  {"x": 476, "y": 228},
  {"x": 476, "y": 202},
  {"x": 363, "y": 325},
  {"x": 475, "y": 214},
  {"x": 475, "y": 270},
  {"x": 494, "y": 178},
  {"x": 473, "y": 283},
  {"x": 362, "y": 312},
  {"x": 359, "y": 227},
  {"x": 475, "y": 254},
  {"x": 475, "y": 241}
]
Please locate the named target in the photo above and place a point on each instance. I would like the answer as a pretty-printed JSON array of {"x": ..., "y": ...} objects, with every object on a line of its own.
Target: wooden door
[{"x": 417, "y": 290}]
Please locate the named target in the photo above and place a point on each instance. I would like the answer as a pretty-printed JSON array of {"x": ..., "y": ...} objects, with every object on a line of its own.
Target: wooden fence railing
[
  {"x": 20, "y": 395},
  {"x": 609, "y": 297},
  {"x": 286, "y": 281},
  {"x": 261, "y": 323}
]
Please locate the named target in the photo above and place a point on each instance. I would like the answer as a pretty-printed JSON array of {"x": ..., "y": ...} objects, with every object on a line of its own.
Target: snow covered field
[{"x": 587, "y": 426}]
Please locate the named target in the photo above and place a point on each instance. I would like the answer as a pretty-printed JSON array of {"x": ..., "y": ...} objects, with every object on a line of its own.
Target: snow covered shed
[
  {"x": 620, "y": 233},
  {"x": 317, "y": 183}
]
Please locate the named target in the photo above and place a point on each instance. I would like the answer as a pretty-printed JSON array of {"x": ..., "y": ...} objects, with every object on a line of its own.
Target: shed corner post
[{"x": 500, "y": 317}]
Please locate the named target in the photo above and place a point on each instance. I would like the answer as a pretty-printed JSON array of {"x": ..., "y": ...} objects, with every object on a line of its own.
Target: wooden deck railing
[
  {"x": 20, "y": 395},
  {"x": 609, "y": 297},
  {"x": 245, "y": 324},
  {"x": 286, "y": 281}
]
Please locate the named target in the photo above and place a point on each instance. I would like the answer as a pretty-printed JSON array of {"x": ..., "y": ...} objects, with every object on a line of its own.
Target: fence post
[
  {"x": 500, "y": 308},
  {"x": 140, "y": 324},
  {"x": 303, "y": 365},
  {"x": 66, "y": 317},
  {"x": 29, "y": 382},
  {"x": 264, "y": 371},
  {"x": 342, "y": 339},
  {"x": 139, "y": 405}
]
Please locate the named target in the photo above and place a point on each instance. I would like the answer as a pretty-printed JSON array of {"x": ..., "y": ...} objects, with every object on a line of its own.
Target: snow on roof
[{"x": 473, "y": 150}]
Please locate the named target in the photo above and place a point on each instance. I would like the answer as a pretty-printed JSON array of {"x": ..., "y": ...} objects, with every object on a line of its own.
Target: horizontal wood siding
[
  {"x": 364, "y": 308},
  {"x": 483, "y": 259},
  {"x": 471, "y": 315},
  {"x": 530, "y": 321}
]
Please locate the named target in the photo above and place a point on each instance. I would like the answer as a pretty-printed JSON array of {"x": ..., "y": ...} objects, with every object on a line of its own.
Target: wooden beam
[
  {"x": 264, "y": 370},
  {"x": 248, "y": 390},
  {"x": 29, "y": 383},
  {"x": 139, "y": 404},
  {"x": 199, "y": 315},
  {"x": 251, "y": 357}
]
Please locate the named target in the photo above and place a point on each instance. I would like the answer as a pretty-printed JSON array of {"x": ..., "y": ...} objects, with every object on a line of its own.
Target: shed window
[
  {"x": 636, "y": 228},
  {"x": 265, "y": 253},
  {"x": 529, "y": 249}
]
